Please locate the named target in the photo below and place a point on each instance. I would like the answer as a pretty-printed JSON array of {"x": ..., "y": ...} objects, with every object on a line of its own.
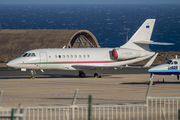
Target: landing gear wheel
[
  {"x": 96, "y": 75},
  {"x": 32, "y": 77},
  {"x": 81, "y": 74}
]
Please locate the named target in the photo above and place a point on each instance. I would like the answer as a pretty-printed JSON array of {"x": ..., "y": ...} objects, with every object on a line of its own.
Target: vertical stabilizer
[{"x": 142, "y": 34}]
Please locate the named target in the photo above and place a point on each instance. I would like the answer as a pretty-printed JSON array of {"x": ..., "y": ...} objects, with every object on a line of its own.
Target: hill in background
[{"x": 14, "y": 43}]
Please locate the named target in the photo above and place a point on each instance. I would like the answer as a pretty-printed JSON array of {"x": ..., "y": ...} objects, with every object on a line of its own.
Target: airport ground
[{"x": 55, "y": 87}]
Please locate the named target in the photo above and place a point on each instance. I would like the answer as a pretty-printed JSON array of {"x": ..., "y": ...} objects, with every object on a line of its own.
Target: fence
[
  {"x": 99, "y": 112},
  {"x": 11, "y": 113},
  {"x": 163, "y": 108},
  {"x": 157, "y": 108}
]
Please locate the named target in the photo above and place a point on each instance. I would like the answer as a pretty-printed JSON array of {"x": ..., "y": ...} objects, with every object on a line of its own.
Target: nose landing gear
[{"x": 33, "y": 72}]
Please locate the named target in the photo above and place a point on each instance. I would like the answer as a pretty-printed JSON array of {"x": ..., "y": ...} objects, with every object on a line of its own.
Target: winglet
[{"x": 149, "y": 63}]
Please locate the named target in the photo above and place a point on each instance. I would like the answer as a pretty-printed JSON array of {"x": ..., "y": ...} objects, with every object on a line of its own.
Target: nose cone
[
  {"x": 13, "y": 63},
  {"x": 10, "y": 64}
]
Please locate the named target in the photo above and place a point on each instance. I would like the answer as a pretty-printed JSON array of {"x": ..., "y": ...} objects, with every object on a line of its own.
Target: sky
[{"x": 89, "y": 1}]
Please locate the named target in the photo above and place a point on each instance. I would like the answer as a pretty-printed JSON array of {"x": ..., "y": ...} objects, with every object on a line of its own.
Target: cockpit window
[
  {"x": 33, "y": 55},
  {"x": 169, "y": 62},
  {"x": 24, "y": 55},
  {"x": 29, "y": 55}
]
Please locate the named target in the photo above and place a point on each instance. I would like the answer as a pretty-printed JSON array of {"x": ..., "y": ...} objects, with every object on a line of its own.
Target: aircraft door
[{"x": 43, "y": 59}]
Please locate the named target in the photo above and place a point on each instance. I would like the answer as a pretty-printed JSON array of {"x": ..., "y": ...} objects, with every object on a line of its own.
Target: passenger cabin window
[
  {"x": 70, "y": 56},
  {"x": 175, "y": 62}
]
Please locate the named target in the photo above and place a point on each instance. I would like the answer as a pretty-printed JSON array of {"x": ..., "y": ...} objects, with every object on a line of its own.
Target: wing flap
[{"x": 84, "y": 67}]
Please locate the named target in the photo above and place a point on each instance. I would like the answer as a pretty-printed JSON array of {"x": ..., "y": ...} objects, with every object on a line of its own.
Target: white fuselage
[
  {"x": 64, "y": 59},
  {"x": 171, "y": 67}
]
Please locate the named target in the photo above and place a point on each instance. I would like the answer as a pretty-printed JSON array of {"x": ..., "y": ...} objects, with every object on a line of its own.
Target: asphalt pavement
[{"x": 7, "y": 72}]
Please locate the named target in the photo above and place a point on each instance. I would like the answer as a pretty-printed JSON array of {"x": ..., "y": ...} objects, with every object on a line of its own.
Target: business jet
[
  {"x": 81, "y": 59},
  {"x": 171, "y": 67}
]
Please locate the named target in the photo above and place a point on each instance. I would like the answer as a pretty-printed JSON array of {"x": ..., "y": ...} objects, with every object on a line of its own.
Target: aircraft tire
[
  {"x": 82, "y": 75},
  {"x": 96, "y": 75}
]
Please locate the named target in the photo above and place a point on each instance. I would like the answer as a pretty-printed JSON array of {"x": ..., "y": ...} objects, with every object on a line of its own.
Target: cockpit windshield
[
  {"x": 33, "y": 54},
  {"x": 29, "y": 55},
  {"x": 169, "y": 62},
  {"x": 24, "y": 55}
]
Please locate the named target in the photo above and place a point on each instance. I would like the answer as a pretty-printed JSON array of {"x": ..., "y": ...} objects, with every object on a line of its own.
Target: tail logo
[{"x": 147, "y": 26}]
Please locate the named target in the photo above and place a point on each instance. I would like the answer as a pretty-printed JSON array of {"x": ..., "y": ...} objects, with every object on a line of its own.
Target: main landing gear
[
  {"x": 96, "y": 75},
  {"x": 33, "y": 72},
  {"x": 81, "y": 74}
]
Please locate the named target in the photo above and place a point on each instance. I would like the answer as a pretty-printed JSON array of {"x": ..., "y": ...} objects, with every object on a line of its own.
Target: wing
[
  {"x": 85, "y": 67},
  {"x": 88, "y": 67}
]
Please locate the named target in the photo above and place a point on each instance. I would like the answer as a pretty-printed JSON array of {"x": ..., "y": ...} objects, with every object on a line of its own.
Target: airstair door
[{"x": 43, "y": 59}]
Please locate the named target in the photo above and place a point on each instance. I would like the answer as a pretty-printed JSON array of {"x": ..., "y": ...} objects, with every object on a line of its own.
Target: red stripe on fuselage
[{"x": 70, "y": 62}]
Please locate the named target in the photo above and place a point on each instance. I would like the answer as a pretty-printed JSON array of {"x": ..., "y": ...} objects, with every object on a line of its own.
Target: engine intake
[{"x": 122, "y": 54}]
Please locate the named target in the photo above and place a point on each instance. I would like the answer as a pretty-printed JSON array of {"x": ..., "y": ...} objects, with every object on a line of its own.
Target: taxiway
[{"x": 52, "y": 88}]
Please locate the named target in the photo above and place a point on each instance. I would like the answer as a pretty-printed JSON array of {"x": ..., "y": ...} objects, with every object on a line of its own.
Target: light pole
[{"x": 127, "y": 29}]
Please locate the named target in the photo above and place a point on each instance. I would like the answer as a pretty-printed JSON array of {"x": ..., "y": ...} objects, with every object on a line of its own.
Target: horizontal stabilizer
[{"x": 152, "y": 42}]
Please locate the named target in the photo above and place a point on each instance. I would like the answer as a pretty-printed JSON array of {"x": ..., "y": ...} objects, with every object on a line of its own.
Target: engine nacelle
[{"x": 122, "y": 54}]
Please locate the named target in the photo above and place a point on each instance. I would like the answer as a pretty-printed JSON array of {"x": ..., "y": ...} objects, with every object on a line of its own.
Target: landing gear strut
[
  {"x": 81, "y": 74},
  {"x": 33, "y": 72}
]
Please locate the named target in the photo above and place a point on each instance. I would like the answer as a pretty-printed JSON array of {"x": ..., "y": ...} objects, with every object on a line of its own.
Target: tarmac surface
[{"x": 54, "y": 87}]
